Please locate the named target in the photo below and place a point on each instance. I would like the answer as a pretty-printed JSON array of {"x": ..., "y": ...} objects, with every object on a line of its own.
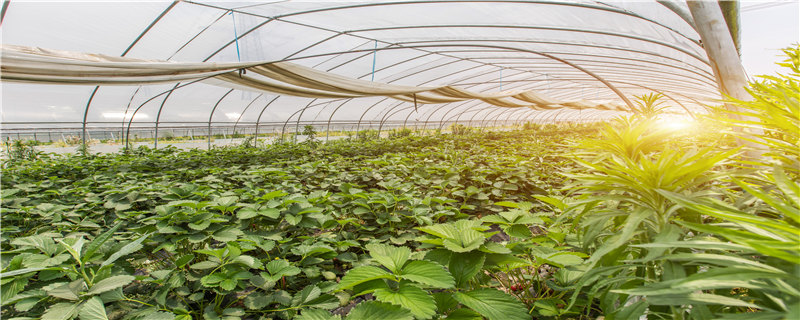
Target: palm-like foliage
[
  {"x": 649, "y": 106},
  {"x": 727, "y": 250},
  {"x": 775, "y": 109}
]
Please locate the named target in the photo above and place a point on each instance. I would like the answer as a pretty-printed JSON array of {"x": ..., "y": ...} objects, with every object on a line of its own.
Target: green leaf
[
  {"x": 507, "y": 204},
  {"x": 204, "y": 265},
  {"x": 212, "y": 280},
  {"x": 493, "y": 304},
  {"x": 228, "y": 284},
  {"x": 75, "y": 249},
  {"x": 410, "y": 297},
  {"x": 698, "y": 298},
  {"x": 464, "y": 266},
  {"x": 308, "y": 293},
  {"x": 633, "y": 311},
  {"x": 391, "y": 257},
  {"x": 21, "y": 271},
  {"x": 98, "y": 241},
  {"x": 227, "y": 234},
  {"x": 280, "y": 268},
  {"x": 317, "y": 314},
  {"x": 373, "y": 310},
  {"x": 428, "y": 273},
  {"x": 61, "y": 311},
  {"x": 363, "y": 274},
  {"x": 464, "y": 314},
  {"x": 67, "y": 291},
  {"x": 183, "y": 260},
  {"x": 631, "y": 227},
  {"x": 519, "y": 231},
  {"x": 129, "y": 248},
  {"x": 257, "y": 300},
  {"x": 110, "y": 284},
  {"x": 563, "y": 259},
  {"x": 93, "y": 309},
  {"x": 42, "y": 260}
]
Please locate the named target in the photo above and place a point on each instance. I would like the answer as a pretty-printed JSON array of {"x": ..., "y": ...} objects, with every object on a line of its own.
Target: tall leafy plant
[
  {"x": 619, "y": 207},
  {"x": 750, "y": 254}
]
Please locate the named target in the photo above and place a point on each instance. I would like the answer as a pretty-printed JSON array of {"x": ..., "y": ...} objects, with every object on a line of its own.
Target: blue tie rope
[
  {"x": 374, "y": 54},
  {"x": 235, "y": 37}
]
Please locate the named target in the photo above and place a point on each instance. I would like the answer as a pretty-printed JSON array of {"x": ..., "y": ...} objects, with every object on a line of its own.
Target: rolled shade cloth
[{"x": 37, "y": 65}]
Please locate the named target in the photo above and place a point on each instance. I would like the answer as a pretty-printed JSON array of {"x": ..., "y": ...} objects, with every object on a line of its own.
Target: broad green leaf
[
  {"x": 129, "y": 248},
  {"x": 410, "y": 297},
  {"x": 61, "y": 311},
  {"x": 228, "y": 284},
  {"x": 464, "y": 266},
  {"x": 280, "y": 268},
  {"x": 373, "y": 310},
  {"x": 507, "y": 204},
  {"x": 21, "y": 271},
  {"x": 519, "y": 231},
  {"x": 213, "y": 279},
  {"x": 93, "y": 309},
  {"x": 428, "y": 273},
  {"x": 183, "y": 260},
  {"x": 67, "y": 291},
  {"x": 494, "y": 247},
  {"x": 98, "y": 241},
  {"x": 246, "y": 213},
  {"x": 257, "y": 300},
  {"x": 563, "y": 259},
  {"x": 75, "y": 249},
  {"x": 308, "y": 293},
  {"x": 493, "y": 304},
  {"x": 227, "y": 234},
  {"x": 204, "y": 265},
  {"x": 33, "y": 261},
  {"x": 317, "y": 314},
  {"x": 391, "y": 257},
  {"x": 464, "y": 314},
  {"x": 110, "y": 284},
  {"x": 363, "y": 274},
  {"x": 468, "y": 242}
]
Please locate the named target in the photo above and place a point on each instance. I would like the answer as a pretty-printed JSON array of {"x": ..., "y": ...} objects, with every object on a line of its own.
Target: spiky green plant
[{"x": 649, "y": 106}]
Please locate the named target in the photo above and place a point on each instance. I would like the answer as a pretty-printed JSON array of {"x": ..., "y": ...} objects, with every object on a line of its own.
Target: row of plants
[{"x": 264, "y": 232}]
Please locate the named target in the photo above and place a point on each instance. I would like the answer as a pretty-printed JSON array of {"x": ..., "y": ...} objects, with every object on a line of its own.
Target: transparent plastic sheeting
[{"x": 561, "y": 50}]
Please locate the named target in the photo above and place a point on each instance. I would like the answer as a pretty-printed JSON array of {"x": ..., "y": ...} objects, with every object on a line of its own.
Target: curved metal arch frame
[
  {"x": 336, "y": 33},
  {"x": 211, "y": 115},
  {"x": 708, "y": 73},
  {"x": 258, "y": 120},
  {"x": 275, "y": 18},
  {"x": 431, "y": 80},
  {"x": 628, "y": 66},
  {"x": 245, "y": 110},
  {"x": 616, "y": 91},
  {"x": 135, "y": 41},
  {"x": 558, "y": 3},
  {"x": 622, "y": 35}
]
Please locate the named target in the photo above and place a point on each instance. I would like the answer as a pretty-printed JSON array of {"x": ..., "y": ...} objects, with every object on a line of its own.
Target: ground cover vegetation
[{"x": 567, "y": 221}]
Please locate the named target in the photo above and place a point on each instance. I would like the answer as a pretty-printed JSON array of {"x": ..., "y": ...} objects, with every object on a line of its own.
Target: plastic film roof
[{"x": 566, "y": 51}]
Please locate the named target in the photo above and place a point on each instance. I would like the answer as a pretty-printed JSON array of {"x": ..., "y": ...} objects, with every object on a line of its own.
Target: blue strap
[
  {"x": 236, "y": 37},
  {"x": 501, "y": 79},
  {"x": 374, "y": 53}
]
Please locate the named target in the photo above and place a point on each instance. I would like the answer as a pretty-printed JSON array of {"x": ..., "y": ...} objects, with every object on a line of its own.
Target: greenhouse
[{"x": 478, "y": 159}]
